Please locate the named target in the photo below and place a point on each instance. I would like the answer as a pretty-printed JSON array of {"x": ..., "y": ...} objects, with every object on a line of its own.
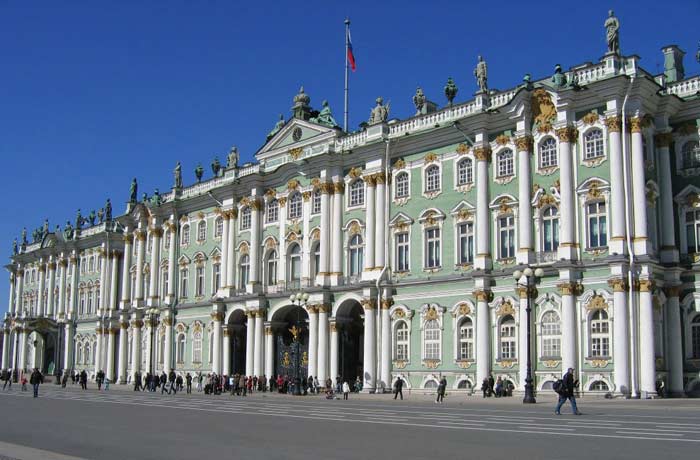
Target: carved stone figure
[
  {"x": 419, "y": 100},
  {"x": 78, "y": 220},
  {"x": 379, "y": 113},
  {"x": 91, "y": 217},
  {"x": 325, "y": 117},
  {"x": 559, "y": 78},
  {"x": 68, "y": 231},
  {"x": 480, "y": 72},
  {"x": 14, "y": 247},
  {"x": 199, "y": 172},
  {"x": 301, "y": 108},
  {"x": 46, "y": 227},
  {"x": 279, "y": 125},
  {"x": 144, "y": 198},
  {"x": 133, "y": 191},
  {"x": 177, "y": 172},
  {"x": 450, "y": 91},
  {"x": 156, "y": 199},
  {"x": 24, "y": 236},
  {"x": 612, "y": 27},
  {"x": 100, "y": 215},
  {"x": 108, "y": 210},
  {"x": 232, "y": 160},
  {"x": 35, "y": 235},
  {"x": 215, "y": 167}
]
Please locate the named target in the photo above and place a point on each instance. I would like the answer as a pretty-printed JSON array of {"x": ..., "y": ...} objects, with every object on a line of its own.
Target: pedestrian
[
  {"x": 442, "y": 386},
  {"x": 188, "y": 378},
  {"x": 99, "y": 378},
  {"x": 7, "y": 377},
  {"x": 178, "y": 382},
  {"x": 491, "y": 383},
  {"x": 137, "y": 381},
  {"x": 163, "y": 381},
  {"x": 200, "y": 377},
  {"x": 64, "y": 380},
  {"x": 398, "y": 388},
  {"x": 346, "y": 390},
  {"x": 83, "y": 380},
  {"x": 316, "y": 385},
  {"x": 171, "y": 379},
  {"x": 107, "y": 382},
  {"x": 36, "y": 379},
  {"x": 499, "y": 387},
  {"x": 23, "y": 381},
  {"x": 566, "y": 388},
  {"x": 272, "y": 383},
  {"x": 485, "y": 387}
]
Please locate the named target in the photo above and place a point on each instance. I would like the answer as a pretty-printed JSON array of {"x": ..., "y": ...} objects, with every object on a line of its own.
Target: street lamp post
[
  {"x": 300, "y": 299},
  {"x": 531, "y": 277}
]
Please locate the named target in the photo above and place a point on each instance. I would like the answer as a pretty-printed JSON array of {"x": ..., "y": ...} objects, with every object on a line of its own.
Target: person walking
[
  {"x": 99, "y": 378},
  {"x": 171, "y": 379},
  {"x": 566, "y": 391},
  {"x": 64, "y": 381},
  {"x": 491, "y": 384},
  {"x": 83, "y": 379},
  {"x": 199, "y": 381},
  {"x": 442, "y": 386},
  {"x": 398, "y": 388},
  {"x": 36, "y": 379},
  {"x": 107, "y": 382},
  {"x": 346, "y": 390},
  {"x": 7, "y": 377},
  {"x": 188, "y": 379}
]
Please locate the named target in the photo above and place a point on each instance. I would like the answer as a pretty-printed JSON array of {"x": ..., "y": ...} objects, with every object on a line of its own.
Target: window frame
[{"x": 505, "y": 163}]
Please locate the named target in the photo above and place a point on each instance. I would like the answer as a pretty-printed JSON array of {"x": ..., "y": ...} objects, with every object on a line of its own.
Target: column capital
[
  {"x": 168, "y": 321},
  {"x": 646, "y": 285},
  {"x": 618, "y": 284},
  {"x": 370, "y": 180},
  {"x": 156, "y": 231},
  {"x": 387, "y": 303},
  {"x": 368, "y": 304},
  {"x": 312, "y": 309},
  {"x": 570, "y": 288},
  {"x": 217, "y": 316},
  {"x": 338, "y": 187},
  {"x": 116, "y": 254},
  {"x": 567, "y": 134},
  {"x": 52, "y": 265},
  {"x": 124, "y": 325},
  {"x": 663, "y": 140},
  {"x": 613, "y": 123},
  {"x": 672, "y": 291},
  {"x": 42, "y": 268},
  {"x": 326, "y": 188},
  {"x": 140, "y": 235},
  {"x": 526, "y": 291},
  {"x": 128, "y": 238},
  {"x": 233, "y": 213},
  {"x": 137, "y": 323},
  {"x": 380, "y": 177},
  {"x": 63, "y": 263},
  {"x": 482, "y": 153},
  {"x": 524, "y": 143},
  {"x": 482, "y": 295},
  {"x": 636, "y": 124}
]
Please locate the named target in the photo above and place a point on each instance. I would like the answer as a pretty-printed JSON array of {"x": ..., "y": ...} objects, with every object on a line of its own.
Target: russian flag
[{"x": 351, "y": 57}]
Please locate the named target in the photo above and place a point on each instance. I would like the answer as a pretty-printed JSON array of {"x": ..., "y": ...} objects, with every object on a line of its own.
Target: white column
[
  {"x": 639, "y": 190},
  {"x": 168, "y": 345},
  {"x": 269, "y": 352},
  {"x": 140, "y": 236},
  {"x": 386, "y": 344},
  {"x": 522, "y": 337},
  {"x": 334, "y": 353},
  {"x": 104, "y": 281},
  {"x": 231, "y": 269},
  {"x": 380, "y": 225},
  {"x": 313, "y": 338},
  {"x": 568, "y": 325},
  {"x": 567, "y": 237},
  {"x": 63, "y": 265},
  {"x": 113, "y": 283},
  {"x": 254, "y": 246},
  {"x": 250, "y": 343},
  {"x": 23, "y": 350},
  {"x": 370, "y": 344},
  {"x": 337, "y": 232},
  {"x": 151, "y": 324},
  {"x": 674, "y": 354},
  {"x": 525, "y": 242},
  {"x": 226, "y": 367},
  {"x": 617, "y": 187},
  {"x": 483, "y": 340},
  {"x": 68, "y": 347},
  {"x": 172, "y": 264},
  {"x": 647, "y": 355},
  {"x": 324, "y": 263},
  {"x": 322, "y": 358},
  {"x": 668, "y": 236},
  {"x": 50, "y": 297},
  {"x": 110, "y": 353},
  {"x": 100, "y": 349},
  {"x": 258, "y": 355},
  {"x": 226, "y": 220},
  {"x": 5, "y": 348},
  {"x": 11, "y": 301},
  {"x": 483, "y": 228},
  {"x": 41, "y": 300},
  {"x": 20, "y": 292},
  {"x": 370, "y": 202},
  {"x": 306, "y": 275},
  {"x": 216, "y": 359},
  {"x": 126, "y": 276},
  {"x": 136, "y": 329},
  {"x": 123, "y": 348},
  {"x": 621, "y": 348},
  {"x": 153, "y": 289}
]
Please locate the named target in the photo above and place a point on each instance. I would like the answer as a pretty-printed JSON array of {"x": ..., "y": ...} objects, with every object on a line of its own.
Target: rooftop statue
[
  {"x": 144, "y": 197},
  {"x": 156, "y": 199},
  {"x": 91, "y": 217},
  {"x": 379, "y": 113},
  {"x": 24, "y": 236},
  {"x": 215, "y": 167},
  {"x": 133, "y": 191},
  {"x": 480, "y": 72},
  {"x": 450, "y": 91},
  {"x": 419, "y": 100},
  {"x": 279, "y": 125},
  {"x": 559, "y": 78},
  {"x": 68, "y": 231},
  {"x": 14, "y": 247},
  {"x": 301, "y": 108},
  {"x": 232, "y": 159},
  {"x": 35, "y": 235},
  {"x": 612, "y": 27},
  {"x": 46, "y": 227},
  {"x": 177, "y": 172},
  {"x": 325, "y": 117},
  {"x": 101, "y": 215},
  {"x": 199, "y": 172},
  {"x": 78, "y": 220},
  {"x": 108, "y": 210}
]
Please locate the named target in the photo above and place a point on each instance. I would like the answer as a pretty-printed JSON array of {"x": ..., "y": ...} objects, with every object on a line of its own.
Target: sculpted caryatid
[
  {"x": 612, "y": 27},
  {"x": 481, "y": 75}
]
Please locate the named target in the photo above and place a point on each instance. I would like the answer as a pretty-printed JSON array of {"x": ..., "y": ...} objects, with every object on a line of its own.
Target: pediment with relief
[{"x": 295, "y": 134}]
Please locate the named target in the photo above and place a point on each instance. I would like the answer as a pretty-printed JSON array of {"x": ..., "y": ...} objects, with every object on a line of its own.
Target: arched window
[
  {"x": 401, "y": 189},
  {"x": 357, "y": 193},
  {"x": 600, "y": 334},
  {"x": 690, "y": 155},
  {"x": 89, "y": 301},
  {"x": 218, "y": 227},
  {"x": 401, "y": 341},
  {"x": 430, "y": 385},
  {"x": 598, "y": 385},
  {"x": 180, "y": 350},
  {"x": 244, "y": 271},
  {"x": 97, "y": 298},
  {"x": 593, "y": 144},
  {"x": 91, "y": 264},
  {"x": 692, "y": 231},
  {"x": 550, "y": 229},
  {"x": 202, "y": 230},
  {"x": 466, "y": 339},
  {"x": 548, "y": 153},
  {"x": 316, "y": 201},
  {"x": 81, "y": 304},
  {"x": 272, "y": 211},
  {"x": 355, "y": 250},
  {"x": 197, "y": 347},
  {"x": 245, "y": 218},
  {"x": 271, "y": 268},
  {"x": 695, "y": 335},
  {"x": 185, "y": 235},
  {"x": 316, "y": 258},
  {"x": 597, "y": 224},
  {"x": 87, "y": 353},
  {"x": 432, "y": 178},
  {"x": 504, "y": 163},
  {"x": 508, "y": 338},
  {"x": 551, "y": 335},
  {"x": 184, "y": 281},
  {"x": 294, "y": 263},
  {"x": 432, "y": 341},
  {"x": 465, "y": 172},
  {"x": 294, "y": 206},
  {"x": 506, "y": 237}
]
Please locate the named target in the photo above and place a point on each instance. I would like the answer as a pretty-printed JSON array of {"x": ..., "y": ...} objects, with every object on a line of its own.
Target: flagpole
[{"x": 345, "y": 114}]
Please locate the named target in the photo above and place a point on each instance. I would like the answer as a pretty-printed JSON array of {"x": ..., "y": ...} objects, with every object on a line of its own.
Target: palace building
[{"x": 404, "y": 238}]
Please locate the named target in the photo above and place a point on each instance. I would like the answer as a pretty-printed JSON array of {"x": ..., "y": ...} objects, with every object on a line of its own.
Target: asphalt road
[{"x": 127, "y": 425}]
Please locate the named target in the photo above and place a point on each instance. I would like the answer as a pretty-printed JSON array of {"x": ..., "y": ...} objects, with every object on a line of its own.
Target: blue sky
[{"x": 93, "y": 93}]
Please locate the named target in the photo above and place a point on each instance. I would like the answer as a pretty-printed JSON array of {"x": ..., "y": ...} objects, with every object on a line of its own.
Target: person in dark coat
[
  {"x": 83, "y": 380},
  {"x": 442, "y": 387},
  {"x": 36, "y": 379},
  {"x": 171, "y": 379},
  {"x": 568, "y": 386},
  {"x": 398, "y": 388},
  {"x": 188, "y": 379}
]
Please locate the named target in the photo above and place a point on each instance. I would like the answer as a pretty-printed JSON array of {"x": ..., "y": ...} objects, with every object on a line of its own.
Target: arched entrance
[
  {"x": 350, "y": 325},
  {"x": 285, "y": 348},
  {"x": 237, "y": 330}
]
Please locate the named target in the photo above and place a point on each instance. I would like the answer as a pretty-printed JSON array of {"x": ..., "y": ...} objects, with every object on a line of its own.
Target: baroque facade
[{"x": 405, "y": 235}]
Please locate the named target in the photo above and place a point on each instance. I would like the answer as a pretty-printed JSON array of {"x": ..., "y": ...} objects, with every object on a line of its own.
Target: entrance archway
[
  {"x": 350, "y": 325},
  {"x": 285, "y": 351},
  {"x": 238, "y": 331}
]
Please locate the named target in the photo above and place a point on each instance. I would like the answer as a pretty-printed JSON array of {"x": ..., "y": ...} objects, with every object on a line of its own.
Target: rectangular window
[
  {"x": 551, "y": 347},
  {"x": 505, "y": 164},
  {"x": 184, "y": 275},
  {"x": 164, "y": 284},
  {"x": 402, "y": 256},
  {"x": 216, "y": 277},
  {"x": 199, "y": 290},
  {"x": 245, "y": 219},
  {"x": 600, "y": 347},
  {"x": 551, "y": 235},
  {"x": 506, "y": 236},
  {"x": 432, "y": 344},
  {"x": 432, "y": 248},
  {"x": 316, "y": 202},
  {"x": 597, "y": 225},
  {"x": 692, "y": 226},
  {"x": 402, "y": 344},
  {"x": 465, "y": 246}
]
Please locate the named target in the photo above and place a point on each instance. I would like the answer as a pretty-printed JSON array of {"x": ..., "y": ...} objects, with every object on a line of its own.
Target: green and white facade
[{"x": 406, "y": 236}]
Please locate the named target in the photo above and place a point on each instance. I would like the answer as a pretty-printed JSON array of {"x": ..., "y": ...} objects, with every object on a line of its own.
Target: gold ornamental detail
[
  {"x": 399, "y": 164},
  {"x": 431, "y": 363},
  {"x": 462, "y": 149},
  {"x": 368, "y": 304},
  {"x": 400, "y": 363},
  {"x": 550, "y": 363},
  {"x": 636, "y": 124},
  {"x": 618, "y": 284},
  {"x": 505, "y": 308},
  {"x": 597, "y": 302},
  {"x": 482, "y": 296},
  {"x": 295, "y": 153},
  {"x": 355, "y": 173},
  {"x": 502, "y": 139},
  {"x": 398, "y": 314},
  {"x": 338, "y": 187},
  {"x": 387, "y": 303},
  {"x": 646, "y": 285},
  {"x": 217, "y": 316},
  {"x": 482, "y": 153},
  {"x": 293, "y": 184},
  {"x": 524, "y": 144},
  {"x": 590, "y": 118},
  {"x": 614, "y": 124},
  {"x": 543, "y": 109},
  {"x": 567, "y": 134},
  {"x": 570, "y": 288},
  {"x": 598, "y": 363},
  {"x": 431, "y": 314},
  {"x": 430, "y": 158},
  {"x": 464, "y": 363},
  {"x": 506, "y": 364},
  {"x": 464, "y": 309}
]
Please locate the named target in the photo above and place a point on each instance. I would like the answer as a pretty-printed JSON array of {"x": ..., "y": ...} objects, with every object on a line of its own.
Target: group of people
[
  {"x": 497, "y": 388},
  {"x": 36, "y": 378}
]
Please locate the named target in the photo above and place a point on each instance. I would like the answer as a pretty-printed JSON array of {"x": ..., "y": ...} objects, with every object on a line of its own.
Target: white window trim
[
  {"x": 502, "y": 180},
  {"x": 455, "y": 173},
  {"x": 434, "y": 194},
  {"x": 547, "y": 170},
  {"x": 679, "y": 142},
  {"x": 400, "y": 201},
  {"x": 458, "y": 317},
  {"x": 423, "y": 319},
  {"x": 348, "y": 186},
  {"x": 581, "y": 145}
]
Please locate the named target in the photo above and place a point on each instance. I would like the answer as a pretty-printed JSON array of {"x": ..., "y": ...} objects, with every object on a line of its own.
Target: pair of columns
[
  {"x": 375, "y": 221},
  {"x": 254, "y": 344}
]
